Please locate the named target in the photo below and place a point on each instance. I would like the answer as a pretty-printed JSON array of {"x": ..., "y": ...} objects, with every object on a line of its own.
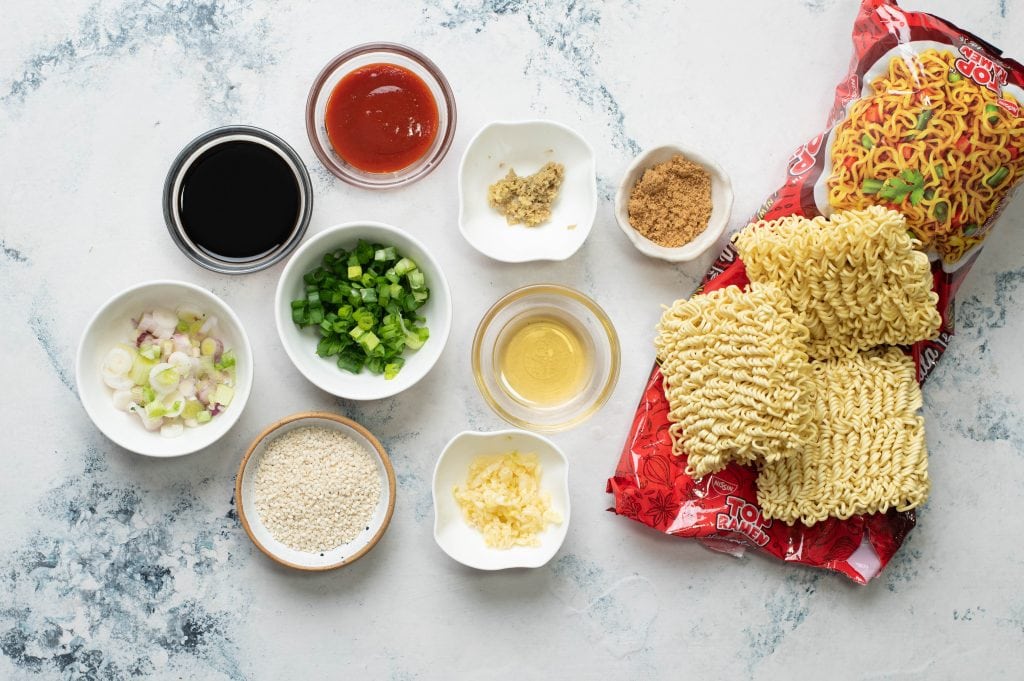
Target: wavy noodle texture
[
  {"x": 737, "y": 378},
  {"x": 870, "y": 453},
  {"x": 856, "y": 278},
  {"x": 961, "y": 151}
]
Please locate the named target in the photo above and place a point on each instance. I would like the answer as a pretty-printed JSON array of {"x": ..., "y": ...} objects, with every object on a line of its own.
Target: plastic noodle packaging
[{"x": 927, "y": 122}]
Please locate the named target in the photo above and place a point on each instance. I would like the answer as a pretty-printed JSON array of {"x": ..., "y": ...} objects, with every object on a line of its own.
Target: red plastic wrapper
[{"x": 927, "y": 122}]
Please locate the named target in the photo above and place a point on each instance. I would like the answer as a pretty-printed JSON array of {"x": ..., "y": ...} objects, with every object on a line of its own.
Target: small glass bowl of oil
[{"x": 545, "y": 357}]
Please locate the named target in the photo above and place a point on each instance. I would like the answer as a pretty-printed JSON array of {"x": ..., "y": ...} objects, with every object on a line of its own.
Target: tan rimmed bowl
[{"x": 339, "y": 556}]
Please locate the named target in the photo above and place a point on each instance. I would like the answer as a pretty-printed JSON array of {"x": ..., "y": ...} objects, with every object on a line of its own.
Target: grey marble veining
[{"x": 114, "y": 566}]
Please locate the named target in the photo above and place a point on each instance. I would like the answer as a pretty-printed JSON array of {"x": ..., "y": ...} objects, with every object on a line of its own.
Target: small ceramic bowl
[
  {"x": 112, "y": 325},
  {"x": 573, "y": 309},
  {"x": 525, "y": 146},
  {"x": 464, "y": 543},
  {"x": 300, "y": 344},
  {"x": 346, "y": 554},
  {"x": 380, "y": 53},
  {"x": 721, "y": 204}
]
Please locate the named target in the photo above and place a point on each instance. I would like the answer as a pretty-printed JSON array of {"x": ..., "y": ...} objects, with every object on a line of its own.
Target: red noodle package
[{"x": 928, "y": 122}]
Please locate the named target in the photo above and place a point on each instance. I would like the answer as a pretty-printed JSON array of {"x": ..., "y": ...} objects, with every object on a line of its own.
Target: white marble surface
[{"x": 112, "y": 565}]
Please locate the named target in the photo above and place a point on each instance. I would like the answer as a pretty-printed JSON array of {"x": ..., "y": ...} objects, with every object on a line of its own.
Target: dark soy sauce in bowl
[{"x": 239, "y": 199}]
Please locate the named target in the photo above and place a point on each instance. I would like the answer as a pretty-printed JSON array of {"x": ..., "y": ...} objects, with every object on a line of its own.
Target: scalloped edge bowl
[
  {"x": 721, "y": 204},
  {"x": 464, "y": 543}
]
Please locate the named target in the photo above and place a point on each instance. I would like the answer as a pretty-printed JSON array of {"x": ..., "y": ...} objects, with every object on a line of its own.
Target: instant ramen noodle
[{"x": 928, "y": 123}]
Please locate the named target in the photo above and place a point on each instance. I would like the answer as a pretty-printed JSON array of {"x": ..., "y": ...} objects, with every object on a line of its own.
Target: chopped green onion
[
  {"x": 363, "y": 304},
  {"x": 922, "y": 119},
  {"x": 992, "y": 111},
  {"x": 404, "y": 266},
  {"x": 997, "y": 176},
  {"x": 872, "y": 185}
]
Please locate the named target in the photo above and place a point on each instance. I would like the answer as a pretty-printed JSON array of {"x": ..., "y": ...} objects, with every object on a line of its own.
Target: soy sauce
[{"x": 239, "y": 200}]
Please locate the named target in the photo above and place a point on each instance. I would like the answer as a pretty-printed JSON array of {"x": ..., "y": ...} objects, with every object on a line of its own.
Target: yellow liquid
[{"x": 543, "y": 362}]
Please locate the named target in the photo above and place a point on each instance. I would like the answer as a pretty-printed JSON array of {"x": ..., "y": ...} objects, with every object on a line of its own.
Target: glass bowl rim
[
  {"x": 180, "y": 166},
  {"x": 610, "y": 335},
  {"x": 324, "y": 155}
]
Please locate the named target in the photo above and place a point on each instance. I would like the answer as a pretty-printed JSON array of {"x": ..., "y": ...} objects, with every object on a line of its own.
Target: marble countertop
[{"x": 114, "y": 565}]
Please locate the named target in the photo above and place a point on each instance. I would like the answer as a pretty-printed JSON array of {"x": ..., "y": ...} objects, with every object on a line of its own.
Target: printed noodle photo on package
[{"x": 926, "y": 123}]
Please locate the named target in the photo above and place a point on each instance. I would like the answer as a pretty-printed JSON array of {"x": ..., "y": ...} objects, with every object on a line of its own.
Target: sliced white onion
[
  {"x": 209, "y": 325},
  {"x": 172, "y": 429},
  {"x": 118, "y": 361},
  {"x": 122, "y": 399},
  {"x": 189, "y": 313},
  {"x": 187, "y": 387},
  {"x": 181, "y": 361},
  {"x": 161, "y": 387},
  {"x": 174, "y": 405},
  {"x": 204, "y": 391},
  {"x": 182, "y": 343},
  {"x": 166, "y": 320},
  {"x": 117, "y": 382},
  {"x": 147, "y": 324},
  {"x": 150, "y": 424}
]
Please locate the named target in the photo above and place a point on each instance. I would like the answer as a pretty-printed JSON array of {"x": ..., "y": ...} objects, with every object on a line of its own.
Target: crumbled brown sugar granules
[{"x": 671, "y": 204}]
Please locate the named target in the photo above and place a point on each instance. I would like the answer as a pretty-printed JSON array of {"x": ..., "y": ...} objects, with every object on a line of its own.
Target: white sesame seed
[{"x": 316, "y": 488}]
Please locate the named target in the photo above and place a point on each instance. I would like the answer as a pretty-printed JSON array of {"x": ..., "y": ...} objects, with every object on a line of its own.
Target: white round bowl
[
  {"x": 721, "y": 204},
  {"x": 346, "y": 554},
  {"x": 526, "y": 146},
  {"x": 112, "y": 325},
  {"x": 464, "y": 543},
  {"x": 300, "y": 344}
]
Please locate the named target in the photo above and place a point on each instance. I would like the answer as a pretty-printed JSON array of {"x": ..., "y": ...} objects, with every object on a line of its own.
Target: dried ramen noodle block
[
  {"x": 856, "y": 278},
  {"x": 870, "y": 453},
  {"x": 737, "y": 378}
]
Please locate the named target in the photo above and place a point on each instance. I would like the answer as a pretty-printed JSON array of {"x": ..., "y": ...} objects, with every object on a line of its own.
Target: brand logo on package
[
  {"x": 981, "y": 69},
  {"x": 744, "y": 518},
  {"x": 802, "y": 159},
  {"x": 723, "y": 487}
]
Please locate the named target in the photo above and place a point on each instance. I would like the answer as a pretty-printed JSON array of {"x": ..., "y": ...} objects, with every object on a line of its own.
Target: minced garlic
[{"x": 503, "y": 500}]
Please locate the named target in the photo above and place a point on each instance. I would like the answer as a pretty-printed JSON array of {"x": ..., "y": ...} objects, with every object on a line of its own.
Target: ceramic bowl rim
[
  {"x": 240, "y": 399},
  {"x": 687, "y": 252},
  {"x": 584, "y": 230},
  {"x": 494, "y": 434},
  {"x": 345, "y": 421}
]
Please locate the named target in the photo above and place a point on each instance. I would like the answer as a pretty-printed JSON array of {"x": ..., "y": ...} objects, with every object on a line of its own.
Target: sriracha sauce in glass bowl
[{"x": 380, "y": 115}]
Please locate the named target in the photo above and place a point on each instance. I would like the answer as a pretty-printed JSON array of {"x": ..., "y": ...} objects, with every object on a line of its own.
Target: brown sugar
[
  {"x": 671, "y": 204},
  {"x": 527, "y": 200}
]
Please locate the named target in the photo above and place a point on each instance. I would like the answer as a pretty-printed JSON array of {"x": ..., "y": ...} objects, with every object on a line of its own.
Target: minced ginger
[{"x": 527, "y": 200}]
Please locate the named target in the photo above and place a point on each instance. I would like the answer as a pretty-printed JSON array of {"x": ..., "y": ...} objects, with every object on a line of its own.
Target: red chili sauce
[{"x": 381, "y": 118}]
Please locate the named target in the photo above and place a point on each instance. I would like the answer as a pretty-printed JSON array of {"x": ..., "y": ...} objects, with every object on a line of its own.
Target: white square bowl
[
  {"x": 526, "y": 146},
  {"x": 465, "y": 544}
]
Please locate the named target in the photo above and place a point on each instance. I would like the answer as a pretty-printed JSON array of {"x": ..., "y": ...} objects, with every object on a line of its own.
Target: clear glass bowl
[
  {"x": 584, "y": 317},
  {"x": 380, "y": 53}
]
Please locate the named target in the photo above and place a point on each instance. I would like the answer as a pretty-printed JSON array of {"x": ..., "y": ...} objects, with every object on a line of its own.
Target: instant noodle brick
[{"x": 928, "y": 122}]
